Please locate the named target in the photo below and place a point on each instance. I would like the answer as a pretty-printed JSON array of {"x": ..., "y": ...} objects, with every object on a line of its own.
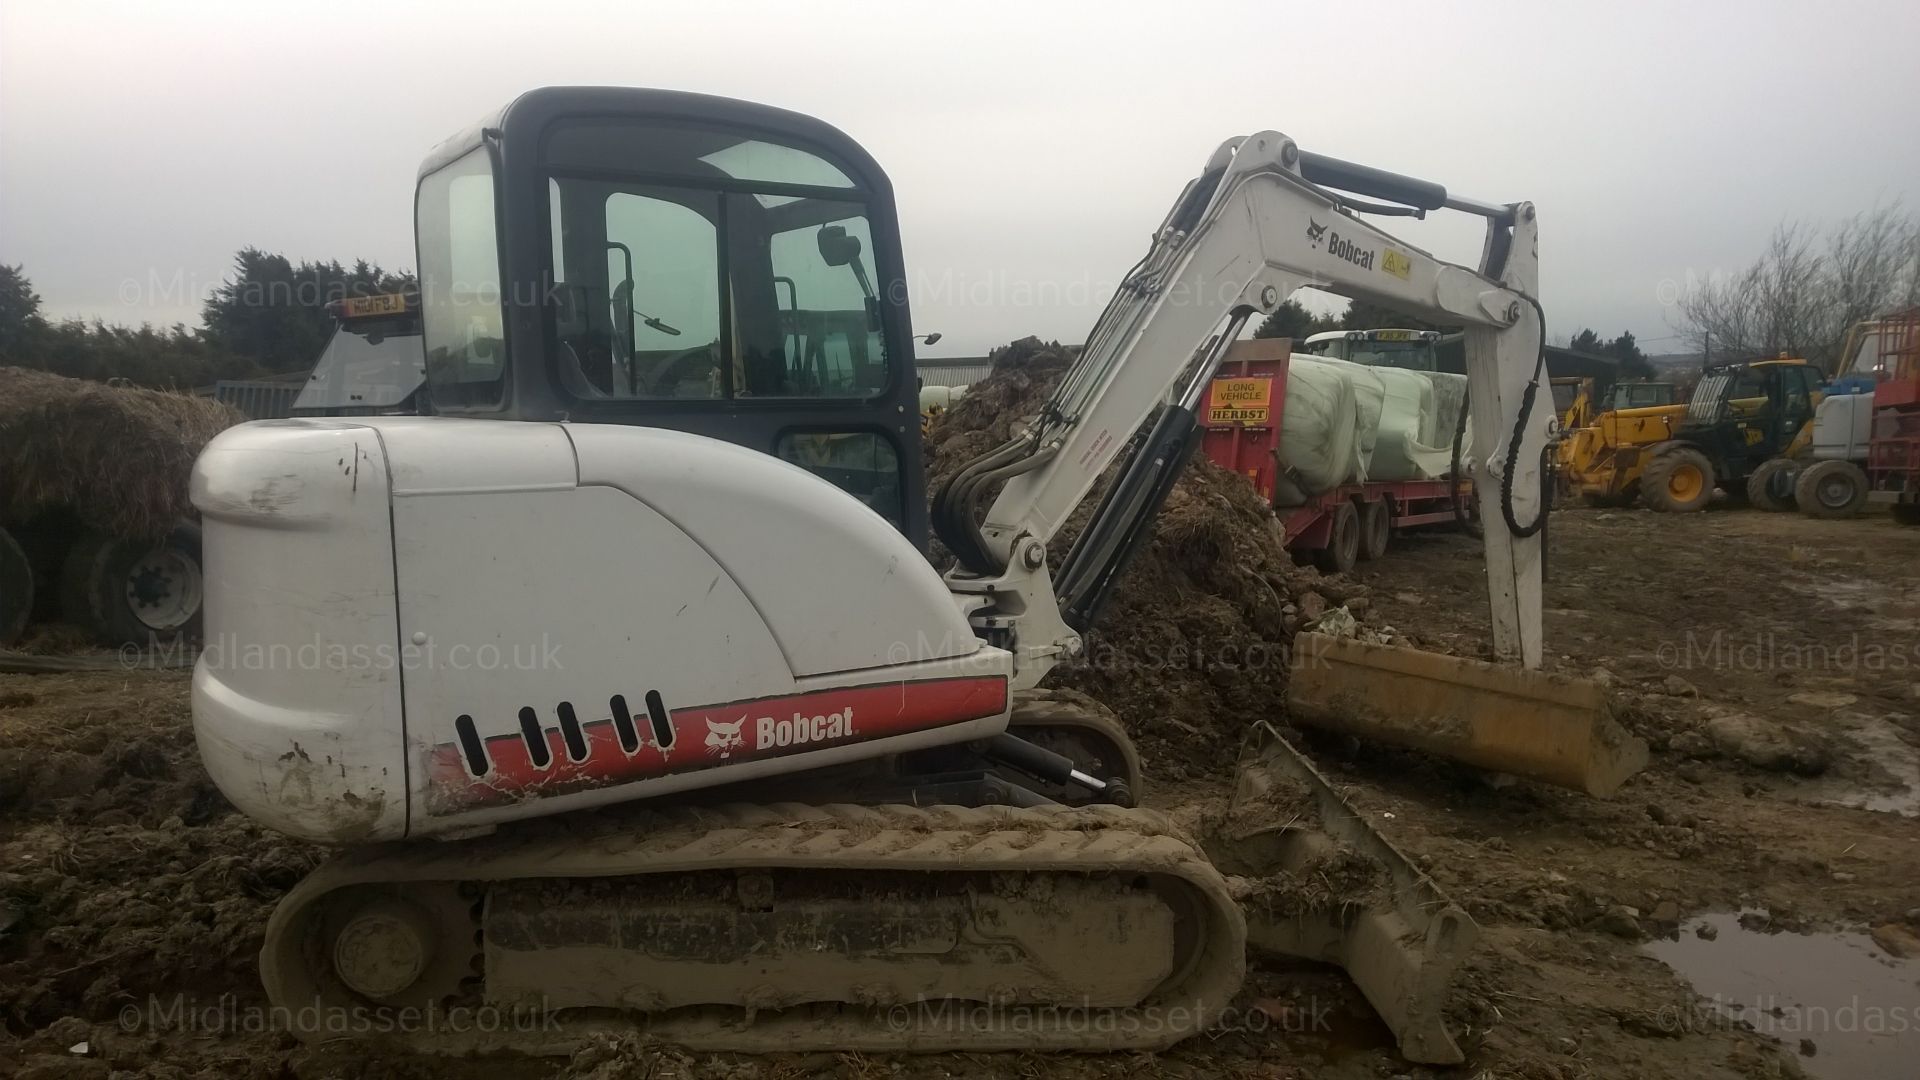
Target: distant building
[
  {"x": 952, "y": 370},
  {"x": 1562, "y": 363}
]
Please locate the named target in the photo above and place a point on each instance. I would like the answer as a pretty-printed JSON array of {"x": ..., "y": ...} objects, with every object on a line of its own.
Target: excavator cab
[{"x": 632, "y": 256}]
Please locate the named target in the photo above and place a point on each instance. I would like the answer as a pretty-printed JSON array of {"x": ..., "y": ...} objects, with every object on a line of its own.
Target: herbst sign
[{"x": 1240, "y": 401}]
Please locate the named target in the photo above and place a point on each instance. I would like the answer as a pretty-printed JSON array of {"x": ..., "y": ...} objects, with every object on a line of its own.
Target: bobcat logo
[
  {"x": 1315, "y": 231},
  {"x": 723, "y": 738}
]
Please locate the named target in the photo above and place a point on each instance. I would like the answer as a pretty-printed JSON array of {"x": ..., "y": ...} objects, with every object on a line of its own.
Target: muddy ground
[{"x": 1769, "y": 659}]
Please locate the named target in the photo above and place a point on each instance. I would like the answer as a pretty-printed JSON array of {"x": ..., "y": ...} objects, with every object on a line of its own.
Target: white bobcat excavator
[{"x": 431, "y": 627}]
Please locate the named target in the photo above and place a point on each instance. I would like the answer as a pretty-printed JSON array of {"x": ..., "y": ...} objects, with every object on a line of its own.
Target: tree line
[
  {"x": 1807, "y": 288},
  {"x": 268, "y": 318},
  {"x": 1800, "y": 296}
]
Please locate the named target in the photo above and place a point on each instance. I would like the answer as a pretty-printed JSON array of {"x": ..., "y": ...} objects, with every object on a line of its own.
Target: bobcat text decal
[
  {"x": 580, "y": 753},
  {"x": 802, "y": 728},
  {"x": 1340, "y": 247}
]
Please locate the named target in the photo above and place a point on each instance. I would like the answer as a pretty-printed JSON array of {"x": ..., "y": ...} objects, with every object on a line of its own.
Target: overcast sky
[{"x": 1032, "y": 145}]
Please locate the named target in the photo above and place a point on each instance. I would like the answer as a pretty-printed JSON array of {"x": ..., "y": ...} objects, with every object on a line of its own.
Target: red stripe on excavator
[{"x": 705, "y": 737}]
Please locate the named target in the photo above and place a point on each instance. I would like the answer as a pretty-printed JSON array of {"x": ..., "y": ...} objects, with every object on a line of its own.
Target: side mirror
[
  {"x": 836, "y": 247},
  {"x": 620, "y": 298}
]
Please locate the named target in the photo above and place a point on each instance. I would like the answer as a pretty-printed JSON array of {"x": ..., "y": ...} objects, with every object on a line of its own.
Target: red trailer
[
  {"x": 1338, "y": 527},
  {"x": 1893, "y": 451}
]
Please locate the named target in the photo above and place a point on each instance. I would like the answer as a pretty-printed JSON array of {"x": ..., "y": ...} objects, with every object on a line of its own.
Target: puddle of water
[
  {"x": 1895, "y": 769},
  {"x": 1859, "y": 1006}
]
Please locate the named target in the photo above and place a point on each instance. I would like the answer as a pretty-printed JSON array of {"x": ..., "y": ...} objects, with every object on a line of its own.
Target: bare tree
[{"x": 1805, "y": 290}]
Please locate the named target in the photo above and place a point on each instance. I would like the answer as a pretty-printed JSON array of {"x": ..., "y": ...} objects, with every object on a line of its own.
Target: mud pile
[
  {"x": 1193, "y": 644},
  {"x": 125, "y": 878}
]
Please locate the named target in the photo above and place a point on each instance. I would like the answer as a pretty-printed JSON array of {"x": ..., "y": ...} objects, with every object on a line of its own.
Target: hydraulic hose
[
  {"x": 1527, "y": 399},
  {"x": 1467, "y": 524}
]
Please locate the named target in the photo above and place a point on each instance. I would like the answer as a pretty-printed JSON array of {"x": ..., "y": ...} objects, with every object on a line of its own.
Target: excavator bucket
[{"x": 1551, "y": 728}]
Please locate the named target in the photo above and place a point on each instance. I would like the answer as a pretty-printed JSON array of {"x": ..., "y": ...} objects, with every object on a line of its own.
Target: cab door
[{"x": 1798, "y": 394}]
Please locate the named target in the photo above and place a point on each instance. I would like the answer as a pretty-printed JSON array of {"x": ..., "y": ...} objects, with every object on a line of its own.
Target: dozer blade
[
  {"x": 1315, "y": 881},
  {"x": 1551, "y": 728}
]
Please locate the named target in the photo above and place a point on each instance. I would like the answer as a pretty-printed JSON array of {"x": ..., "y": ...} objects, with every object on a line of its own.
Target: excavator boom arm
[{"x": 1252, "y": 229}]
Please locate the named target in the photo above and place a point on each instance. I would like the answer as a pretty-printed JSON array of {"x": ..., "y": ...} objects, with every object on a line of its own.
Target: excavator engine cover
[{"x": 420, "y": 626}]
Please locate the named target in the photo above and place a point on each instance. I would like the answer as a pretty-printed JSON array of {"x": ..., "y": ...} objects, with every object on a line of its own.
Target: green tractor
[{"x": 1742, "y": 430}]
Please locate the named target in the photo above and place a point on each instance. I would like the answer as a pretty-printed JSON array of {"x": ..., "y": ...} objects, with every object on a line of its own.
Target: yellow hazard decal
[
  {"x": 1240, "y": 401},
  {"x": 1396, "y": 263}
]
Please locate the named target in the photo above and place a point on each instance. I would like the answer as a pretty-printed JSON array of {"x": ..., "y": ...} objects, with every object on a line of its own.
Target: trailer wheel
[
  {"x": 1376, "y": 529},
  {"x": 1770, "y": 487},
  {"x": 16, "y": 589},
  {"x": 1831, "y": 489},
  {"x": 126, "y": 592},
  {"x": 1343, "y": 541}
]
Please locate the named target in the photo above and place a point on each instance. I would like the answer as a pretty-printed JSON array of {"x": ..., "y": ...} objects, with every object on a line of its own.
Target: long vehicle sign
[{"x": 1240, "y": 401}]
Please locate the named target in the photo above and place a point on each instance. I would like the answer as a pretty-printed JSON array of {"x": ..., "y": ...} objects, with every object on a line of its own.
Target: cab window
[
  {"x": 1749, "y": 393},
  {"x": 1798, "y": 385},
  {"x": 830, "y": 336},
  {"x": 702, "y": 266},
  {"x": 464, "y": 329}
]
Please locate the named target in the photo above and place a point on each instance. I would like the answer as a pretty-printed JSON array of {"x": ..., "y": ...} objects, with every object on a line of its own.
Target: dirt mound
[
  {"x": 118, "y": 457},
  {"x": 1023, "y": 376},
  {"x": 1194, "y": 642},
  {"x": 123, "y": 873}
]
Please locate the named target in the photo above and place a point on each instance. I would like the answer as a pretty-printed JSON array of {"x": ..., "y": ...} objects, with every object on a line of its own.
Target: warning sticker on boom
[{"x": 1240, "y": 401}]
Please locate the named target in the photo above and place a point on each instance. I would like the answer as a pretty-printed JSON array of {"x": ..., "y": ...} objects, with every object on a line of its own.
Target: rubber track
[{"x": 1079, "y": 840}]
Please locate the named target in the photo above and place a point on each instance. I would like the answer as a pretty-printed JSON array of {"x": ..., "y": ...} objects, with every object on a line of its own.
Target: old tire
[
  {"x": 1770, "y": 487},
  {"x": 1343, "y": 541},
  {"x": 130, "y": 592},
  {"x": 1376, "y": 529},
  {"x": 1831, "y": 489},
  {"x": 1679, "y": 481},
  {"x": 16, "y": 589}
]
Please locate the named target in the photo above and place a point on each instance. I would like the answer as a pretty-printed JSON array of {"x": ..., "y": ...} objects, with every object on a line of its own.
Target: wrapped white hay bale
[
  {"x": 1449, "y": 397},
  {"x": 1318, "y": 441},
  {"x": 1416, "y": 426},
  {"x": 1348, "y": 423},
  {"x": 1369, "y": 402},
  {"x": 1404, "y": 434}
]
